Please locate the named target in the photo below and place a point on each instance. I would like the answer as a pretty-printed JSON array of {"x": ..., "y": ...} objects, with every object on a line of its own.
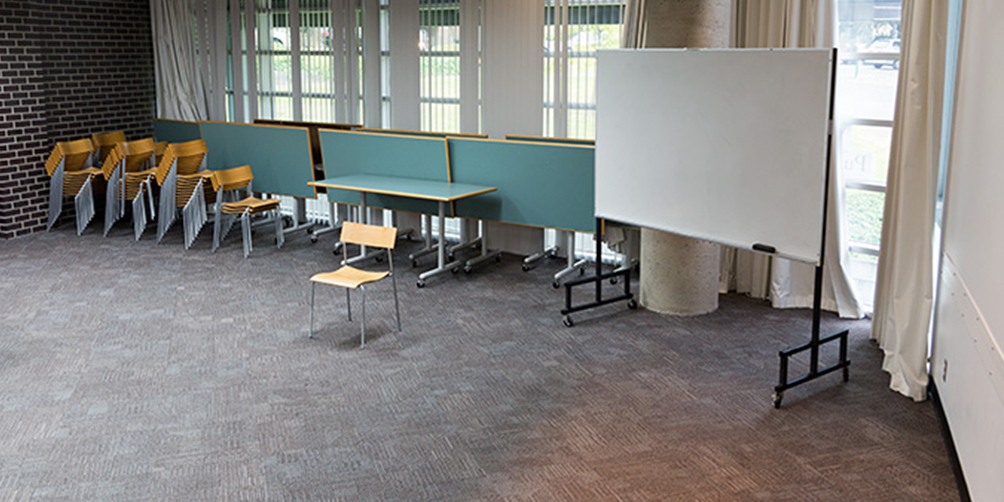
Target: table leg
[{"x": 442, "y": 266}]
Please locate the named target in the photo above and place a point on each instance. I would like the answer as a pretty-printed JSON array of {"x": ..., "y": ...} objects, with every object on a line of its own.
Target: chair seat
[
  {"x": 141, "y": 174},
  {"x": 255, "y": 205},
  {"x": 348, "y": 277}
]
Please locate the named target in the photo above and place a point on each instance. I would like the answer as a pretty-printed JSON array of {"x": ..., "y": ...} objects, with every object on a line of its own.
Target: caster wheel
[
  {"x": 450, "y": 257},
  {"x": 313, "y": 239},
  {"x": 378, "y": 258},
  {"x": 556, "y": 284},
  {"x": 778, "y": 396},
  {"x": 582, "y": 271},
  {"x": 414, "y": 263},
  {"x": 632, "y": 304},
  {"x": 336, "y": 252},
  {"x": 455, "y": 270},
  {"x": 525, "y": 267},
  {"x": 498, "y": 258},
  {"x": 467, "y": 270},
  {"x": 567, "y": 321},
  {"x": 420, "y": 284}
]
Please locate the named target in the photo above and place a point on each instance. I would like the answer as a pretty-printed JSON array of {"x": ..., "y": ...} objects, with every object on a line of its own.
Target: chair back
[
  {"x": 75, "y": 155},
  {"x": 138, "y": 154},
  {"x": 105, "y": 142},
  {"x": 188, "y": 154},
  {"x": 159, "y": 149},
  {"x": 233, "y": 178},
  {"x": 369, "y": 235}
]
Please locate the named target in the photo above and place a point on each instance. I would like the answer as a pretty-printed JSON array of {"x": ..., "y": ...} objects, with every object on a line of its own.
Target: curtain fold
[
  {"x": 181, "y": 92},
  {"x": 904, "y": 290},
  {"x": 633, "y": 31},
  {"x": 789, "y": 24}
]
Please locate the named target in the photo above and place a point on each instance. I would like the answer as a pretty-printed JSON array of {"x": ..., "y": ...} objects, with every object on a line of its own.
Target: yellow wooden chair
[
  {"x": 130, "y": 171},
  {"x": 71, "y": 175},
  {"x": 185, "y": 183},
  {"x": 352, "y": 278},
  {"x": 105, "y": 142},
  {"x": 228, "y": 184}
]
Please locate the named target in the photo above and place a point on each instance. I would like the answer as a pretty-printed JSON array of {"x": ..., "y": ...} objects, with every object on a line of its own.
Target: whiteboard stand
[
  {"x": 597, "y": 280},
  {"x": 815, "y": 342}
]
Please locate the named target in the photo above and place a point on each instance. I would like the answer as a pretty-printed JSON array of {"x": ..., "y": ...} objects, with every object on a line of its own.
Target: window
[
  {"x": 439, "y": 65},
  {"x": 573, "y": 31},
  {"x": 869, "y": 45}
]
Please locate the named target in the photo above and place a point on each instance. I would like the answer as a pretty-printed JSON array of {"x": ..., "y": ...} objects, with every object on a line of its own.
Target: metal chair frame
[{"x": 362, "y": 288}]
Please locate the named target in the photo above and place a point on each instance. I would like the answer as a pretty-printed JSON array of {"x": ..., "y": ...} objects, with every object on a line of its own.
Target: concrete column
[{"x": 679, "y": 275}]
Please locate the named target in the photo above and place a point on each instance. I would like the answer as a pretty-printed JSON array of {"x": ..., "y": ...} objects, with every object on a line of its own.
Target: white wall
[{"x": 967, "y": 364}]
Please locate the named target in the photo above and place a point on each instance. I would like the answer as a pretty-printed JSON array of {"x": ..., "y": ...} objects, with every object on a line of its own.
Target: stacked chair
[
  {"x": 228, "y": 184},
  {"x": 71, "y": 175},
  {"x": 104, "y": 143},
  {"x": 130, "y": 170},
  {"x": 160, "y": 148},
  {"x": 184, "y": 183}
]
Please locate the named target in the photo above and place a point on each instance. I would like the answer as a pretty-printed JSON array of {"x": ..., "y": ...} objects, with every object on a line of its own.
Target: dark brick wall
[{"x": 67, "y": 69}]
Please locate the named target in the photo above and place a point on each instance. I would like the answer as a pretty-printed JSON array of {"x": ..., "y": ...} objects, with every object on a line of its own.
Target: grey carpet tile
[{"x": 137, "y": 371}]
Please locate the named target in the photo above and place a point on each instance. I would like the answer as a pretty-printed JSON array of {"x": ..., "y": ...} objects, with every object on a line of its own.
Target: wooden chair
[
  {"x": 161, "y": 147},
  {"x": 130, "y": 170},
  {"x": 184, "y": 183},
  {"x": 228, "y": 184},
  {"x": 352, "y": 278},
  {"x": 105, "y": 142},
  {"x": 71, "y": 175}
]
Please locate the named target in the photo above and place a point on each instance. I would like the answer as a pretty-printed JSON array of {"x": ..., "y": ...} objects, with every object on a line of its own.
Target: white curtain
[
  {"x": 904, "y": 290},
  {"x": 633, "y": 32},
  {"x": 791, "y": 23},
  {"x": 181, "y": 92}
]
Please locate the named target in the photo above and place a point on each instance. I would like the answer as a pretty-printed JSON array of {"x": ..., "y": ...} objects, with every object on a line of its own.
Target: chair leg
[
  {"x": 280, "y": 236},
  {"x": 348, "y": 302},
  {"x": 310, "y": 333},
  {"x": 397, "y": 307},
  {"x": 362, "y": 338},
  {"x": 217, "y": 229},
  {"x": 246, "y": 228}
]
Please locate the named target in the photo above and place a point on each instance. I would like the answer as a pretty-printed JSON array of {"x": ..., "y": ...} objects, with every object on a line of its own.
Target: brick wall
[{"x": 68, "y": 68}]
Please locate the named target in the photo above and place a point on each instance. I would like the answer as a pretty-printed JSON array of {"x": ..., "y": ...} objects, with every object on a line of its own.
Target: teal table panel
[
  {"x": 175, "y": 131},
  {"x": 279, "y": 156},
  {"x": 539, "y": 184},
  {"x": 548, "y": 139},
  {"x": 426, "y": 134},
  {"x": 417, "y": 157}
]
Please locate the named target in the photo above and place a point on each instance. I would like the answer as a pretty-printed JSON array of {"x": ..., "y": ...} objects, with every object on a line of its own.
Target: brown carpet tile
[{"x": 136, "y": 371}]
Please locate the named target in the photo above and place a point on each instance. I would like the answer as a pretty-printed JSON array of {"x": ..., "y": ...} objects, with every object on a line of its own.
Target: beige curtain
[
  {"x": 633, "y": 33},
  {"x": 791, "y": 23},
  {"x": 181, "y": 94},
  {"x": 904, "y": 291}
]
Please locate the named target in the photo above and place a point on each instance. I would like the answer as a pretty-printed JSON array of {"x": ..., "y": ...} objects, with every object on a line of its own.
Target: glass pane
[
  {"x": 864, "y": 216},
  {"x": 864, "y": 153},
  {"x": 439, "y": 65},
  {"x": 864, "y": 91}
]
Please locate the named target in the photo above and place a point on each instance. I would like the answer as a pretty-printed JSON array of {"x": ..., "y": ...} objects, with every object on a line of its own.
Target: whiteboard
[{"x": 724, "y": 145}]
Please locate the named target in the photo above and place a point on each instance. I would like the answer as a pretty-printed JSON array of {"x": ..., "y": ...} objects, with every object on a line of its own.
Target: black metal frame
[
  {"x": 816, "y": 341},
  {"x": 597, "y": 278}
]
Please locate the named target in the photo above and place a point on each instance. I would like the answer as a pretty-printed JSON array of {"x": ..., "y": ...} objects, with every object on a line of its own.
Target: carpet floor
[{"x": 134, "y": 371}]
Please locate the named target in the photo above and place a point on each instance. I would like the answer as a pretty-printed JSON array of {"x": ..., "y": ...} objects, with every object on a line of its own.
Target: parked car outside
[{"x": 884, "y": 46}]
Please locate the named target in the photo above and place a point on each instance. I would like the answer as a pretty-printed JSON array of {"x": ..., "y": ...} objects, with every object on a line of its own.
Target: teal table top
[{"x": 405, "y": 187}]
